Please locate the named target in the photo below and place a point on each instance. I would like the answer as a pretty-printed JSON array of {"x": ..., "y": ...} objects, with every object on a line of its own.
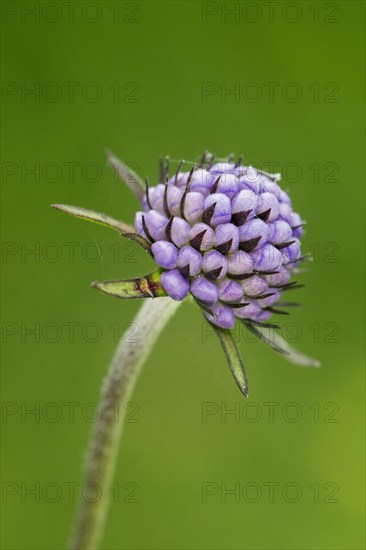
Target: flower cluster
[{"x": 225, "y": 233}]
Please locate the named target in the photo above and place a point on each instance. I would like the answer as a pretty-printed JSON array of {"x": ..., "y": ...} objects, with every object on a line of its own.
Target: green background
[{"x": 149, "y": 62}]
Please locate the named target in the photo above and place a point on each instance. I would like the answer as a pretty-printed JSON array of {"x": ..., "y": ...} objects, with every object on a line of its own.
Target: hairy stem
[{"x": 103, "y": 447}]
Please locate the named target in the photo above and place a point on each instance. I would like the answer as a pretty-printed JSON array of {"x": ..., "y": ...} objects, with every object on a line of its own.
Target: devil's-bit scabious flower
[{"x": 225, "y": 234}]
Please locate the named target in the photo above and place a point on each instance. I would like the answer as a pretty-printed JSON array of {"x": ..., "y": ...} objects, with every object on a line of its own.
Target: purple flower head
[
  {"x": 224, "y": 234},
  {"x": 229, "y": 231}
]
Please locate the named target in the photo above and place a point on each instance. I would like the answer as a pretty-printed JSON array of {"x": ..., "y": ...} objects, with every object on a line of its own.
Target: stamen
[
  {"x": 224, "y": 248},
  {"x": 267, "y": 273},
  {"x": 205, "y": 308},
  {"x": 241, "y": 277},
  {"x": 208, "y": 213},
  {"x": 214, "y": 188},
  {"x": 240, "y": 217},
  {"x": 214, "y": 273},
  {"x": 261, "y": 296},
  {"x": 235, "y": 306},
  {"x": 165, "y": 201},
  {"x": 168, "y": 229},
  {"x": 197, "y": 240},
  {"x": 249, "y": 245},
  {"x": 304, "y": 257},
  {"x": 147, "y": 232},
  {"x": 275, "y": 311},
  {"x": 183, "y": 199},
  {"x": 283, "y": 245},
  {"x": 264, "y": 215},
  {"x": 185, "y": 271}
]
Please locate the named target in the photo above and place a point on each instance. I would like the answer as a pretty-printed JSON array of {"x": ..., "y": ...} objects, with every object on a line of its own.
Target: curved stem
[{"x": 103, "y": 447}]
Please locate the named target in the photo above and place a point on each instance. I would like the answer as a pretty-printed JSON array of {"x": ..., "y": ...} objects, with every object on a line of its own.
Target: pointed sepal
[
  {"x": 142, "y": 287},
  {"x": 276, "y": 342},
  {"x": 132, "y": 180},
  {"x": 102, "y": 219},
  {"x": 233, "y": 357}
]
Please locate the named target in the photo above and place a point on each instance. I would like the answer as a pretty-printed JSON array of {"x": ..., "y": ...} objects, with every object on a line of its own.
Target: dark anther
[
  {"x": 264, "y": 215},
  {"x": 147, "y": 232},
  {"x": 240, "y": 277},
  {"x": 300, "y": 259},
  {"x": 236, "y": 306},
  {"x": 276, "y": 311},
  {"x": 190, "y": 177},
  {"x": 224, "y": 248},
  {"x": 250, "y": 245},
  {"x": 214, "y": 274},
  {"x": 208, "y": 213},
  {"x": 262, "y": 296},
  {"x": 186, "y": 191},
  {"x": 292, "y": 287},
  {"x": 214, "y": 188},
  {"x": 267, "y": 273},
  {"x": 165, "y": 201},
  {"x": 289, "y": 286},
  {"x": 283, "y": 245},
  {"x": 168, "y": 229},
  {"x": 205, "y": 308},
  {"x": 297, "y": 226},
  {"x": 286, "y": 285},
  {"x": 197, "y": 240},
  {"x": 185, "y": 271},
  {"x": 240, "y": 217}
]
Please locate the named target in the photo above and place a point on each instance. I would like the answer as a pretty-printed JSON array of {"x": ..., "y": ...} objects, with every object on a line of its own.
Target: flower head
[{"x": 224, "y": 233}]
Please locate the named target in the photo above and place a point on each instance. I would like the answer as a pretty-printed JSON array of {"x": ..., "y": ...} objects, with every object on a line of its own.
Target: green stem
[{"x": 103, "y": 447}]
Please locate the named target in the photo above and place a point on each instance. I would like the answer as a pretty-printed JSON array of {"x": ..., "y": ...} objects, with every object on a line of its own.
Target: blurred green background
[{"x": 147, "y": 79}]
